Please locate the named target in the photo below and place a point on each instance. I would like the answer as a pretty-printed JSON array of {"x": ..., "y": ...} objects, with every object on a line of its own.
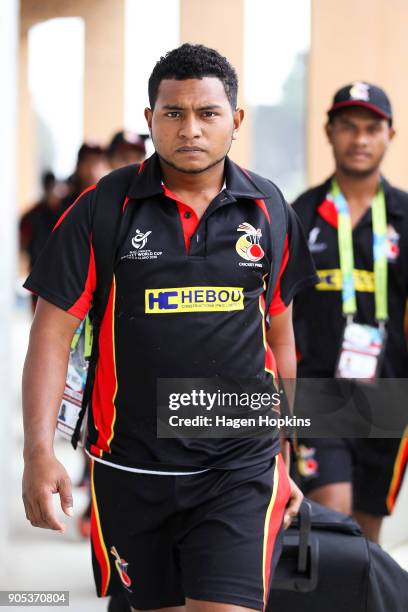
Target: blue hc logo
[{"x": 162, "y": 300}]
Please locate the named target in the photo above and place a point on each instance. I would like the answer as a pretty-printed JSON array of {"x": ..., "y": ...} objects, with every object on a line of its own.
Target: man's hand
[
  {"x": 292, "y": 508},
  {"x": 43, "y": 476}
]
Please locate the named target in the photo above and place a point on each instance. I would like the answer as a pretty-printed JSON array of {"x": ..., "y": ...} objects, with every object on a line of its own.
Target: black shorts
[
  {"x": 213, "y": 536},
  {"x": 374, "y": 466}
]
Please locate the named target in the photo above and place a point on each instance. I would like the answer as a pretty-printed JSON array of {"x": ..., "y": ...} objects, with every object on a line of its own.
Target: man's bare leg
[
  {"x": 370, "y": 525},
  {"x": 194, "y": 605},
  {"x": 173, "y": 609},
  {"x": 337, "y": 496}
]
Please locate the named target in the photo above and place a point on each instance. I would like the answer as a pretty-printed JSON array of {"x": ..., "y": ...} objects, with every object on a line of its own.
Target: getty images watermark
[
  {"x": 323, "y": 408},
  {"x": 209, "y": 411}
]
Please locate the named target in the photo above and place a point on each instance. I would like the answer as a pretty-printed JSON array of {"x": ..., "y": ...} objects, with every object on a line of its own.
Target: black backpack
[{"x": 108, "y": 233}]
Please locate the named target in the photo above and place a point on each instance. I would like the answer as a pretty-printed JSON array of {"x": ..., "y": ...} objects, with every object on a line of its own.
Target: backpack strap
[
  {"x": 279, "y": 212},
  {"x": 108, "y": 200}
]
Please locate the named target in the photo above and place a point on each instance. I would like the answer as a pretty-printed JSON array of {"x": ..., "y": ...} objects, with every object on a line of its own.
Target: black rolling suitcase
[{"x": 327, "y": 565}]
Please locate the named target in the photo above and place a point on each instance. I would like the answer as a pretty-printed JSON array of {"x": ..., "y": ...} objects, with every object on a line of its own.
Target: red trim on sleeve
[
  {"x": 262, "y": 206},
  {"x": 105, "y": 387},
  {"x": 277, "y": 305},
  {"x": 83, "y": 303},
  {"x": 190, "y": 222},
  {"x": 125, "y": 204},
  {"x": 64, "y": 214},
  {"x": 327, "y": 210},
  {"x": 270, "y": 361}
]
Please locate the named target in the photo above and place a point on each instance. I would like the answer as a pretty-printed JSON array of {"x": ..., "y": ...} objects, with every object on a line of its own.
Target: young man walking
[
  {"x": 175, "y": 522},
  {"x": 357, "y": 225}
]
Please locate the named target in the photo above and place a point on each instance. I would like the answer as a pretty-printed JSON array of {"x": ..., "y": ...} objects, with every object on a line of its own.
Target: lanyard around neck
[{"x": 345, "y": 241}]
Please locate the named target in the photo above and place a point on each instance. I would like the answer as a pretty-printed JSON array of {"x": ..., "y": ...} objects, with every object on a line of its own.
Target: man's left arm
[{"x": 281, "y": 339}]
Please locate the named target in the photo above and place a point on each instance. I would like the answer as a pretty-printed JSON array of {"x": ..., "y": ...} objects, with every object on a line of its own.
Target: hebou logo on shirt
[{"x": 193, "y": 299}]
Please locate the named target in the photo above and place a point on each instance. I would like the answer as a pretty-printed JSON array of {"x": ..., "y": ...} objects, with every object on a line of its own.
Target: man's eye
[
  {"x": 209, "y": 114},
  {"x": 173, "y": 114}
]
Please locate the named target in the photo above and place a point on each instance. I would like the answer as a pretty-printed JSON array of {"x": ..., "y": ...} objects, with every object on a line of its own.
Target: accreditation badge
[
  {"x": 361, "y": 352},
  {"x": 77, "y": 372}
]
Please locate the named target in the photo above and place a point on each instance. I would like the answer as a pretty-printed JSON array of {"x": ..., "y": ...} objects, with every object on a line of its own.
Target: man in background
[
  {"x": 345, "y": 217},
  {"x": 126, "y": 148},
  {"x": 37, "y": 223},
  {"x": 91, "y": 165}
]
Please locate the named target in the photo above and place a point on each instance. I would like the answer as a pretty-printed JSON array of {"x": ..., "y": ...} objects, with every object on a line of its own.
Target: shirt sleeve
[
  {"x": 64, "y": 273},
  {"x": 297, "y": 268}
]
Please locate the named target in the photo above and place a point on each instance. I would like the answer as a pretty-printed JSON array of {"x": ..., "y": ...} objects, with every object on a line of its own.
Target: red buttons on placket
[
  {"x": 189, "y": 219},
  {"x": 189, "y": 222}
]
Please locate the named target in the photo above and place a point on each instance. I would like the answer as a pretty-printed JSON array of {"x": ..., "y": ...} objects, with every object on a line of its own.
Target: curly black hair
[{"x": 194, "y": 62}]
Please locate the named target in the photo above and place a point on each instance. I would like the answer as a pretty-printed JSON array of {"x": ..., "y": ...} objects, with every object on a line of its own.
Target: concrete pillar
[
  {"x": 28, "y": 178},
  {"x": 104, "y": 75},
  {"x": 220, "y": 24},
  {"x": 104, "y": 67},
  {"x": 364, "y": 40},
  {"x": 8, "y": 105}
]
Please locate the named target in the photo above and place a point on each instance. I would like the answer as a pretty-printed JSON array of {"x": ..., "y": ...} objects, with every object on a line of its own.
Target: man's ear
[
  {"x": 239, "y": 115},
  {"x": 391, "y": 133},
  {"x": 148, "y": 113},
  {"x": 328, "y": 128}
]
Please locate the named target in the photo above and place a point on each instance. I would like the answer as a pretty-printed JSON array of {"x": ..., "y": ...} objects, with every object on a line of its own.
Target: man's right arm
[{"x": 44, "y": 377}]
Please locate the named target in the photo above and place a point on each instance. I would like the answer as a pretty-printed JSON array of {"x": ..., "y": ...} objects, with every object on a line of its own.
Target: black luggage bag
[{"x": 327, "y": 564}]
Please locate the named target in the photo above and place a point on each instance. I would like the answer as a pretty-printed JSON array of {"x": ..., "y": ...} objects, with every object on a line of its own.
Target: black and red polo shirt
[
  {"x": 318, "y": 318},
  {"x": 187, "y": 301}
]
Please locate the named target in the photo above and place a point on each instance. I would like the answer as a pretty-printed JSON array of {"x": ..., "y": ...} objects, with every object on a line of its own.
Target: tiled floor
[{"x": 38, "y": 559}]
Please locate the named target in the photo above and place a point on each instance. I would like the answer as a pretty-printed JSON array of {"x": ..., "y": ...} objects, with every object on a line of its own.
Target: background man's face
[
  {"x": 192, "y": 123},
  {"x": 125, "y": 155},
  {"x": 91, "y": 169},
  {"x": 359, "y": 139}
]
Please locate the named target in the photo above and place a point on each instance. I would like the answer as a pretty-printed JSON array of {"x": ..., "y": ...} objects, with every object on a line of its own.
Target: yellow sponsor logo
[
  {"x": 193, "y": 299},
  {"x": 331, "y": 280}
]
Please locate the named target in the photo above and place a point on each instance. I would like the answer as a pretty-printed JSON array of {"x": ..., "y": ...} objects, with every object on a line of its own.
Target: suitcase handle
[
  {"x": 297, "y": 569},
  {"x": 305, "y": 524}
]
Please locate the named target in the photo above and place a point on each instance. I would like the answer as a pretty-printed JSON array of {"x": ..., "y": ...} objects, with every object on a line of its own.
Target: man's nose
[
  {"x": 362, "y": 137},
  {"x": 190, "y": 128}
]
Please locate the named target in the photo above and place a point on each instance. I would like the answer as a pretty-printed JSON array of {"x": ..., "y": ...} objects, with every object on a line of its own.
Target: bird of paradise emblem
[
  {"x": 121, "y": 566},
  {"x": 248, "y": 246}
]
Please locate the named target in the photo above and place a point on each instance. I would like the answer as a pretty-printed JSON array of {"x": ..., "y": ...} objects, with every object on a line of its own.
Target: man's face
[
  {"x": 192, "y": 124},
  {"x": 359, "y": 139},
  {"x": 125, "y": 155}
]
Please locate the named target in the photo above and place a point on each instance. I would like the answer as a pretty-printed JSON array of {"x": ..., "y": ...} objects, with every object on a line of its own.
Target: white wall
[{"x": 8, "y": 105}]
